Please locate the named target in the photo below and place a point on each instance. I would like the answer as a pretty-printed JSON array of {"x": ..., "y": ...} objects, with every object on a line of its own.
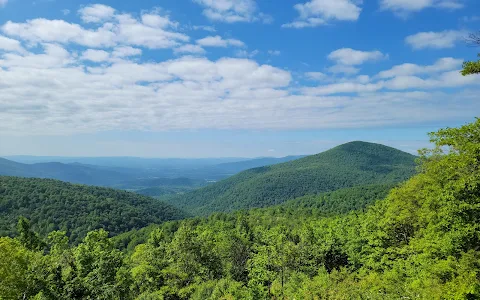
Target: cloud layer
[{"x": 64, "y": 78}]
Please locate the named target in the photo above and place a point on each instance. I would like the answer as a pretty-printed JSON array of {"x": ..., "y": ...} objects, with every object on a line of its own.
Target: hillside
[
  {"x": 55, "y": 205},
  {"x": 348, "y": 165},
  {"x": 338, "y": 202}
]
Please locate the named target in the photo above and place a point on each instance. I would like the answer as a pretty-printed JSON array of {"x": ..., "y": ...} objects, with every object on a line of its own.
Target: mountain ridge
[{"x": 347, "y": 165}]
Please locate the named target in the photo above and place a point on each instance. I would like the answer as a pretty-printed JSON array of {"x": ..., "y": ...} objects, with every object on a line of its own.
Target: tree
[
  {"x": 15, "y": 264},
  {"x": 472, "y": 67},
  {"x": 28, "y": 237}
]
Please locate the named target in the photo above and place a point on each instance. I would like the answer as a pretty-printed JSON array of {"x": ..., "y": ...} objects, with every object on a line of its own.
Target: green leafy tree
[
  {"x": 28, "y": 237},
  {"x": 472, "y": 67}
]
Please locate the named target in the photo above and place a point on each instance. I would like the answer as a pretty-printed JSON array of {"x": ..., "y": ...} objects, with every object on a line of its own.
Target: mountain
[
  {"x": 75, "y": 173},
  {"x": 128, "y": 162},
  {"x": 348, "y": 165},
  {"x": 131, "y": 172},
  {"x": 77, "y": 209},
  {"x": 231, "y": 168}
]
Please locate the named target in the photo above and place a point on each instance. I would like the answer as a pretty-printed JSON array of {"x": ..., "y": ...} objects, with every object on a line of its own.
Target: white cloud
[
  {"x": 65, "y": 12},
  {"x": 347, "y": 59},
  {"x": 343, "y": 69},
  {"x": 274, "y": 52},
  {"x": 43, "y": 30},
  {"x": 444, "y": 73},
  {"x": 8, "y": 44},
  {"x": 232, "y": 11},
  {"x": 53, "y": 90},
  {"x": 152, "y": 31},
  {"x": 310, "y": 22},
  {"x": 3, "y": 3},
  {"x": 435, "y": 40},
  {"x": 96, "y": 13},
  {"x": 441, "y": 65},
  {"x": 245, "y": 53},
  {"x": 218, "y": 41},
  {"x": 318, "y": 12},
  {"x": 157, "y": 21},
  {"x": 126, "y": 51},
  {"x": 451, "y": 79},
  {"x": 404, "y": 7},
  {"x": 95, "y": 55},
  {"x": 344, "y": 87},
  {"x": 54, "y": 56},
  {"x": 316, "y": 76},
  {"x": 351, "y": 57},
  {"x": 203, "y": 27},
  {"x": 189, "y": 48}
]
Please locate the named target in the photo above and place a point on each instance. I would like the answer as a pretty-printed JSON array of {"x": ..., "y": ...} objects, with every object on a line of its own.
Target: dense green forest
[
  {"x": 421, "y": 242},
  {"x": 77, "y": 209},
  {"x": 348, "y": 165},
  {"x": 335, "y": 203}
]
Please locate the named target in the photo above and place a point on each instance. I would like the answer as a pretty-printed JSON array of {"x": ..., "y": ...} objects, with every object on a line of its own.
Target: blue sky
[{"x": 211, "y": 78}]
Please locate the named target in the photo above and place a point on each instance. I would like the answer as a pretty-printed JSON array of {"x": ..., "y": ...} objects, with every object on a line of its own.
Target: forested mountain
[
  {"x": 77, "y": 209},
  {"x": 421, "y": 242},
  {"x": 228, "y": 169},
  {"x": 348, "y": 165}
]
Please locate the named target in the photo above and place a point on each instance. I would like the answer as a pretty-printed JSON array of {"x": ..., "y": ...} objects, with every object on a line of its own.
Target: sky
[{"x": 231, "y": 78}]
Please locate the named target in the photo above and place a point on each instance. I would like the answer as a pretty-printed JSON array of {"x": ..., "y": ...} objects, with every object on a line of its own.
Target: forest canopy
[
  {"x": 421, "y": 242},
  {"x": 77, "y": 209}
]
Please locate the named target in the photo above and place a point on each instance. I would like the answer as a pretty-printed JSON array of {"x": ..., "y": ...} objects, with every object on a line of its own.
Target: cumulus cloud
[
  {"x": 189, "y": 48},
  {"x": 351, "y": 57},
  {"x": 444, "y": 73},
  {"x": 64, "y": 78},
  {"x": 232, "y": 11},
  {"x": 152, "y": 31},
  {"x": 218, "y": 41},
  {"x": 318, "y": 12},
  {"x": 405, "y": 7},
  {"x": 435, "y": 40},
  {"x": 347, "y": 59},
  {"x": 316, "y": 76},
  {"x": 8, "y": 44},
  {"x": 126, "y": 51},
  {"x": 96, "y": 13},
  {"x": 441, "y": 65},
  {"x": 95, "y": 55}
]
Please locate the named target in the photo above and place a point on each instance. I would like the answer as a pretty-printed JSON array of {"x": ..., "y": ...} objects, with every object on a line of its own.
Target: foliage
[
  {"x": 53, "y": 205},
  {"x": 421, "y": 242},
  {"x": 471, "y": 67},
  {"x": 348, "y": 165}
]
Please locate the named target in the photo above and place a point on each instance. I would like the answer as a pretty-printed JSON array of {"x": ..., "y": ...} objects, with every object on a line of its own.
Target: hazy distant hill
[
  {"x": 133, "y": 173},
  {"x": 348, "y": 165},
  {"x": 56, "y": 205},
  {"x": 75, "y": 173}
]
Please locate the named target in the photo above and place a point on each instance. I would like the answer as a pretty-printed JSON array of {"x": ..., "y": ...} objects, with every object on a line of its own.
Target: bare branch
[{"x": 473, "y": 39}]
